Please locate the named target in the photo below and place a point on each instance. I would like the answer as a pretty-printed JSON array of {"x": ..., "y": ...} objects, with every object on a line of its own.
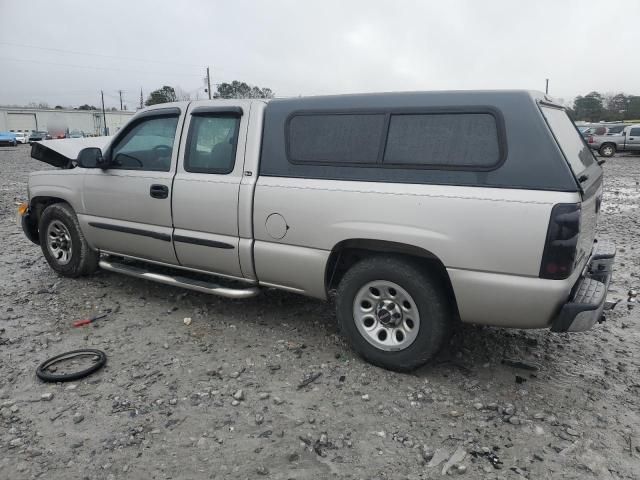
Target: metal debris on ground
[
  {"x": 312, "y": 377},
  {"x": 88, "y": 321}
]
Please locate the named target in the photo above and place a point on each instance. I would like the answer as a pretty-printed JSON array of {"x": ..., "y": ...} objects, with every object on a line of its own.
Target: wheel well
[
  {"x": 609, "y": 143},
  {"x": 348, "y": 252},
  {"x": 38, "y": 204}
]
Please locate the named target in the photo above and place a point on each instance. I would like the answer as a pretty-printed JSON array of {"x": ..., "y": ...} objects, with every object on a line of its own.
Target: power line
[
  {"x": 73, "y": 52},
  {"x": 39, "y": 62}
]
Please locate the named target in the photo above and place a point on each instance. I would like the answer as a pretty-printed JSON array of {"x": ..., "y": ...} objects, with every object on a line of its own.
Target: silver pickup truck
[
  {"x": 607, "y": 145},
  {"x": 415, "y": 210}
]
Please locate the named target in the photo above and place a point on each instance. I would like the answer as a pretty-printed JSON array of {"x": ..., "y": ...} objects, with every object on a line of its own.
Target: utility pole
[
  {"x": 104, "y": 115},
  {"x": 208, "y": 83},
  {"x": 141, "y": 101},
  {"x": 546, "y": 89},
  {"x": 120, "y": 92}
]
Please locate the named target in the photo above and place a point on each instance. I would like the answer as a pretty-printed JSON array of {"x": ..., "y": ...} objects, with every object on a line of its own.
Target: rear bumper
[{"x": 585, "y": 305}]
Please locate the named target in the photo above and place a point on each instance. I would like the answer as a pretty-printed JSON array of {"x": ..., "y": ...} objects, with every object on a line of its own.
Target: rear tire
[
  {"x": 63, "y": 243},
  {"x": 607, "y": 150},
  {"x": 420, "y": 303}
]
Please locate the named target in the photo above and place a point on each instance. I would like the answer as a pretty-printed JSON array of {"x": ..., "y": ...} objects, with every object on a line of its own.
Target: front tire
[
  {"x": 63, "y": 243},
  {"x": 607, "y": 150},
  {"x": 394, "y": 314}
]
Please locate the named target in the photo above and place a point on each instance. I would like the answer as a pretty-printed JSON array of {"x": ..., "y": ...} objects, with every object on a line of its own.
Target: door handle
[{"x": 159, "y": 191}]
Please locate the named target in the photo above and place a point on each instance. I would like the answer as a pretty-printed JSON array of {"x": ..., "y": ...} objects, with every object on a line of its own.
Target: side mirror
[{"x": 91, "y": 157}]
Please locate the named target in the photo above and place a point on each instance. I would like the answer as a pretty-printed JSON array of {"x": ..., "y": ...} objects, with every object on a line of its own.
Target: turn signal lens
[{"x": 23, "y": 208}]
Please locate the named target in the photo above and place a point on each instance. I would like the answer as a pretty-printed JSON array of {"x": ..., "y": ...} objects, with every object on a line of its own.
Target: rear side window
[
  {"x": 571, "y": 142},
  {"x": 447, "y": 140},
  {"x": 335, "y": 138},
  {"x": 634, "y": 132},
  {"x": 438, "y": 140},
  {"x": 211, "y": 144}
]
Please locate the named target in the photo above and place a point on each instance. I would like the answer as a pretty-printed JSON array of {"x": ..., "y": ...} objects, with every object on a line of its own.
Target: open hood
[{"x": 61, "y": 153}]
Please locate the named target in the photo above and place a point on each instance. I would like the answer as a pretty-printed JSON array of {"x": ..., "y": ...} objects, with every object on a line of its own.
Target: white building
[{"x": 57, "y": 122}]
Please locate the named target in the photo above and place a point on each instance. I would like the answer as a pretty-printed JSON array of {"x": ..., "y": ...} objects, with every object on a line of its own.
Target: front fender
[{"x": 61, "y": 185}]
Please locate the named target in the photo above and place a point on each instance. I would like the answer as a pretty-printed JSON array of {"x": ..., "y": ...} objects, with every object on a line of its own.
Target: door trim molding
[
  {"x": 165, "y": 237},
  {"x": 203, "y": 242}
]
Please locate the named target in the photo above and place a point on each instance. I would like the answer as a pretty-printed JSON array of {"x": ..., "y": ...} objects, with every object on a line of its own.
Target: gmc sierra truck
[
  {"x": 607, "y": 145},
  {"x": 414, "y": 210}
]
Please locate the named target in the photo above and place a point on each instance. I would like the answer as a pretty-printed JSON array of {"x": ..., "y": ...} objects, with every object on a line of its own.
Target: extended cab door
[
  {"x": 206, "y": 187},
  {"x": 633, "y": 139},
  {"x": 127, "y": 206}
]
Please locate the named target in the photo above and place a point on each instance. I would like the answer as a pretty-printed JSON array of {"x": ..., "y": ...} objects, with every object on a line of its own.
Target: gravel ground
[{"x": 221, "y": 397}]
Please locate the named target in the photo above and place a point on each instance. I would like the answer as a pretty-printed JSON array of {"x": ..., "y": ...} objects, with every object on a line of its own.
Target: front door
[
  {"x": 127, "y": 207},
  {"x": 206, "y": 187}
]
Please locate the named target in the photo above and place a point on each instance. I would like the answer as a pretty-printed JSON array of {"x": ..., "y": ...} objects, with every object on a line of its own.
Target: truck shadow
[{"x": 471, "y": 350}]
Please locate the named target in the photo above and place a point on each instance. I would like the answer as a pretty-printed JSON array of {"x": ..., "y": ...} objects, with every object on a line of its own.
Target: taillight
[
  {"x": 558, "y": 258},
  {"x": 590, "y": 139}
]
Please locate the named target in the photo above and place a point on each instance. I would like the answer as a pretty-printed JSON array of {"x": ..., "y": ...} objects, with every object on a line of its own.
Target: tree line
[
  {"x": 608, "y": 107},
  {"x": 235, "y": 89}
]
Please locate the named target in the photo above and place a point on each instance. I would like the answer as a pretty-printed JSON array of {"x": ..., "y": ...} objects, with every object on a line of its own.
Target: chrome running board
[{"x": 178, "y": 281}]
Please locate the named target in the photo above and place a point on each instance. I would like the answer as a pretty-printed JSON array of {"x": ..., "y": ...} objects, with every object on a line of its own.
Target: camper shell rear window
[{"x": 571, "y": 142}]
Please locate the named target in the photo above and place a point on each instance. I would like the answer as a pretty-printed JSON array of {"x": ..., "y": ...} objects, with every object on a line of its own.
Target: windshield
[{"x": 569, "y": 139}]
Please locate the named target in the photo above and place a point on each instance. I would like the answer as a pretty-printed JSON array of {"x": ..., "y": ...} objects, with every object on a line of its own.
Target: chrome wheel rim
[
  {"x": 608, "y": 151},
  {"x": 386, "y": 315},
  {"x": 59, "y": 242}
]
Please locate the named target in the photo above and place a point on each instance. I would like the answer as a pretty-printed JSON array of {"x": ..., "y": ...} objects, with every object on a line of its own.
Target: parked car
[
  {"x": 37, "y": 136},
  {"x": 21, "y": 137},
  {"x": 608, "y": 145},
  {"x": 76, "y": 134},
  {"x": 593, "y": 130},
  {"x": 615, "y": 129},
  {"x": 8, "y": 139},
  {"x": 413, "y": 209}
]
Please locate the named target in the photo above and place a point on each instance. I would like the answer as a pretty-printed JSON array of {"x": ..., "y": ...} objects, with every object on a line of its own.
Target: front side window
[
  {"x": 147, "y": 146},
  {"x": 211, "y": 145}
]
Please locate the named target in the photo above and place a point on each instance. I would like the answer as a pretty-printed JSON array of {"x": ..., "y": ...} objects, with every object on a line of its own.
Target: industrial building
[{"x": 60, "y": 121}]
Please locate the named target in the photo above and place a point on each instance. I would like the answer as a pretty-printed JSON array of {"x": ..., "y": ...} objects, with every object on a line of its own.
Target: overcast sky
[{"x": 312, "y": 47}]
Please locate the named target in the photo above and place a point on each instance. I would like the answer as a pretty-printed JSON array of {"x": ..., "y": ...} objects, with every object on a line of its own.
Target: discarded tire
[{"x": 46, "y": 376}]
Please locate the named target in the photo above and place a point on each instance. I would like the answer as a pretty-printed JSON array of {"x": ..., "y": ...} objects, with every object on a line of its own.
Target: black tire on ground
[
  {"x": 83, "y": 260},
  {"x": 431, "y": 299},
  {"x": 46, "y": 376},
  {"x": 607, "y": 150}
]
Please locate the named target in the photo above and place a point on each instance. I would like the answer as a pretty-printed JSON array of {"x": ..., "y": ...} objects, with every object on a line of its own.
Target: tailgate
[
  {"x": 587, "y": 172},
  {"x": 591, "y": 200}
]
